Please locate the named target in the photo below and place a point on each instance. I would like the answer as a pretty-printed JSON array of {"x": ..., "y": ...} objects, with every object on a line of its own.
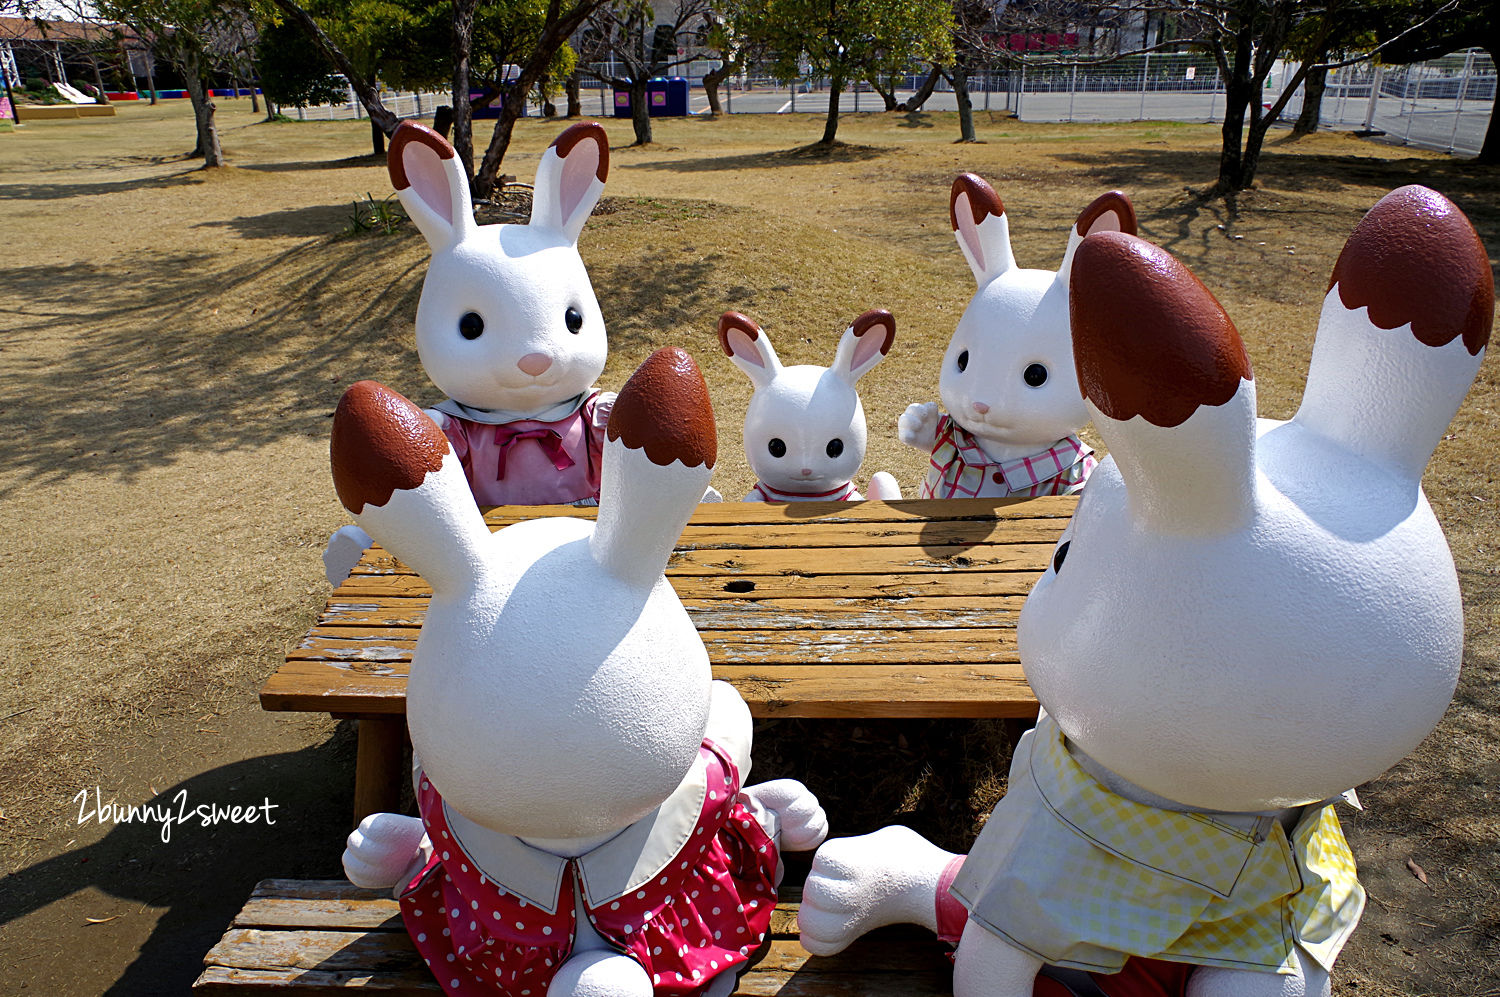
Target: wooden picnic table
[{"x": 813, "y": 609}]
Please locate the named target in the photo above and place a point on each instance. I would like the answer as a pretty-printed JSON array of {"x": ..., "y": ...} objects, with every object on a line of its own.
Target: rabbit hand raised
[
  {"x": 1244, "y": 618},
  {"x": 805, "y": 426},
  {"x": 562, "y": 822},
  {"x": 508, "y": 326},
  {"x": 1008, "y": 383}
]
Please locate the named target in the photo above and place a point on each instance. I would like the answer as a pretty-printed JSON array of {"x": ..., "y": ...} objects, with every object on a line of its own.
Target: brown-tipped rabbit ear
[
  {"x": 430, "y": 181},
  {"x": 1111, "y": 212},
  {"x": 749, "y": 347},
  {"x": 864, "y": 344},
  {"x": 981, "y": 227},
  {"x": 570, "y": 179},
  {"x": 1168, "y": 383},
  {"x": 1404, "y": 328}
]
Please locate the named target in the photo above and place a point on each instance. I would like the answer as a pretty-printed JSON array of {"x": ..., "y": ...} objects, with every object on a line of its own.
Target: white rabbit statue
[
  {"x": 507, "y": 326},
  {"x": 805, "y": 426},
  {"x": 583, "y": 827},
  {"x": 1257, "y": 616},
  {"x": 1014, "y": 408}
]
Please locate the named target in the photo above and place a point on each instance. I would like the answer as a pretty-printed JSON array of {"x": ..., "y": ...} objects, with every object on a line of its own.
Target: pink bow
[{"x": 549, "y": 439}]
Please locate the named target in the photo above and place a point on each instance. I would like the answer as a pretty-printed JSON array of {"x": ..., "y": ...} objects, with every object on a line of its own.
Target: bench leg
[{"x": 377, "y": 767}]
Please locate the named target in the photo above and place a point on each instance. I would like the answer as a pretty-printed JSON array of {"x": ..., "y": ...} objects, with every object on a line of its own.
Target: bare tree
[{"x": 626, "y": 33}]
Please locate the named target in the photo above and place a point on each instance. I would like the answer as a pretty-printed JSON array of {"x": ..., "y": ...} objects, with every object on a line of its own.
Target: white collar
[
  {"x": 620, "y": 865},
  {"x": 552, "y": 412}
]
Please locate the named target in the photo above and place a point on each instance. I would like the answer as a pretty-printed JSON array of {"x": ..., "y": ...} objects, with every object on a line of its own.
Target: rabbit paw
[
  {"x": 347, "y": 545},
  {"x": 790, "y": 813},
  {"x": 382, "y": 849},
  {"x": 859, "y": 884},
  {"x": 884, "y": 487},
  {"x": 917, "y": 426}
]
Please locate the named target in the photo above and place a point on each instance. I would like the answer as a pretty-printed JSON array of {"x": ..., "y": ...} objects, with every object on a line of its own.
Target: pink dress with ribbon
[{"x": 530, "y": 462}]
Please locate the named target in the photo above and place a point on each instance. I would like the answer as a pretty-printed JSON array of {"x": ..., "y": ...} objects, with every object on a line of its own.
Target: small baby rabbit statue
[
  {"x": 507, "y": 326},
  {"x": 805, "y": 426},
  {"x": 583, "y": 827},
  {"x": 1014, "y": 409},
  {"x": 1243, "y": 620}
]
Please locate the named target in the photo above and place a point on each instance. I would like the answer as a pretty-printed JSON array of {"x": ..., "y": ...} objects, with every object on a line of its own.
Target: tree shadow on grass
[
  {"x": 802, "y": 155},
  {"x": 74, "y": 188},
  {"x": 116, "y": 370}
]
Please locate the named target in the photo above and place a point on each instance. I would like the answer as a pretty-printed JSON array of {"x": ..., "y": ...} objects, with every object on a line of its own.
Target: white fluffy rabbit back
[
  {"x": 507, "y": 326},
  {"x": 805, "y": 426},
  {"x": 1007, "y": 382},
  {"x": 579, "y": 780},
  {"x": 1244, "y": 619}
]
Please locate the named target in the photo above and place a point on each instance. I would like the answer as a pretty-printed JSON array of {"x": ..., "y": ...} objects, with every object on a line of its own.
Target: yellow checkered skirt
[{"x": 1081, "y": 877}]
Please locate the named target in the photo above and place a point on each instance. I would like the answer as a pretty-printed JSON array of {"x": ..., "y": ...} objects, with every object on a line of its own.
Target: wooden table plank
[
  {"x": 721, "y": 561},
  {"x": 955, "y": 582},
  {"x": 774, "y": 513},
  {"x": 953, "y": 689}
]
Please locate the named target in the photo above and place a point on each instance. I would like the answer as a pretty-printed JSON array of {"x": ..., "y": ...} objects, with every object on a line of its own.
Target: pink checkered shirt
[{"x": 960, "y": 469}]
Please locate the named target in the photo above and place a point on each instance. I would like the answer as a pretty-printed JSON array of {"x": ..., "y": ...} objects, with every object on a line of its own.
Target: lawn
[{"x": 173, "y": 342}]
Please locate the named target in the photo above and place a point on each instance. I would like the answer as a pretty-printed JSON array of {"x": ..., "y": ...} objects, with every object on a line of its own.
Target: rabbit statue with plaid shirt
[
  {"x": 1244, "y": 619},
  {"x": 1007, "y": 380}
]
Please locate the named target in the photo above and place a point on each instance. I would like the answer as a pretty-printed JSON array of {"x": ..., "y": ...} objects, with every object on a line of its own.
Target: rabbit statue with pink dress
[
  {"x": 805, "y": 426},
  {"x": 584, "y": 825},
  {"x": 508, "y": 326},
  {"x": 1014, "y": 408},
  {"x": 1244, "y": 619}
]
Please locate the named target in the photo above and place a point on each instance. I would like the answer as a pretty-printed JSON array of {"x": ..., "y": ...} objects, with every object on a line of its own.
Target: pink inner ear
[
  {"x": 428, "y": 178},
  {"x": 967, "y": 230},
  {"x": 742, "y": 346},
  {"x": 867, "y": 347},
  {"x": 1107, "y": 222},
  {"x": 578, "y": 172}
]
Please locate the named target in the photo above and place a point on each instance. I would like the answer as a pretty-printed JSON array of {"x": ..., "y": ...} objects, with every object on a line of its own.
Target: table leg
[
  {"x": 1016, "y": 726},
  {"x": 377, "y": 767}
]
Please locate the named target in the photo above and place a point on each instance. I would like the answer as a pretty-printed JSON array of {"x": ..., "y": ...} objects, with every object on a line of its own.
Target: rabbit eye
[
  {"x": 1035, "y": 375},
  {"x": 777, "y": 448},
  {"x": 963, "y": 361},
  {"x": 574, "y": 318},
  {"x": 1060, "y": 556},
  {"x": 835, "y": 447},
  {"x": 471, "y": 325}
]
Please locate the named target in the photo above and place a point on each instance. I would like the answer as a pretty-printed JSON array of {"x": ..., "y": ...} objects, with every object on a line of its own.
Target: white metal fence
[{"x": 1444, "y": 104}]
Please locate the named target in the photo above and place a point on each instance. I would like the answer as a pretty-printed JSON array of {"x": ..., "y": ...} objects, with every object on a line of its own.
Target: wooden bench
[
  {"x": 814, "y": 609},
  {"x": 320, "y": 937}
]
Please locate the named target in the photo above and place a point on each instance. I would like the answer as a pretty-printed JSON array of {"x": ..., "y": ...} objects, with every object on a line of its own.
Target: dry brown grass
[{"x": 173, "y": 342}]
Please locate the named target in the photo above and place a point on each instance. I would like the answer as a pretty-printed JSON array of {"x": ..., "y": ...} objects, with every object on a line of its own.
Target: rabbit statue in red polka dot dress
[{"x": 584, "y": 828}]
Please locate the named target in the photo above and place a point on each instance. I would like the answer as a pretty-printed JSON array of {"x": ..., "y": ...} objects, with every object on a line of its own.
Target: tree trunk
[
  {"x": 886, "y": 94},
  {"x": 489, "y": 169},
  {"x": 960, "y": 80},
  {"x": 377, "y": 138},
  {"x": 575, "y": 98},
  {"x": 98, "y": 81},
  {"x": 151, "y": 74},
  {"x": 1312, "y": 101},
  {"x": 462, "y": 111},
  {"x": 364, "y": 88},
  {"x": 831, "y": 126},
  {"x": 203, "y": 113},
  {"x": 711, "y": 82},
  {"x": 640, "y": 110},
  {"x": 916, "y": 100},
  {"x": 1239, "y": 90},
  {"x": 1489, "y": 152},
  {"x": 254, "y": 99}
]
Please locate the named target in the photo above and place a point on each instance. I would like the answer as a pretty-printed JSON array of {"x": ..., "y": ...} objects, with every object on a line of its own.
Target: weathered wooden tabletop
[{"x": 815, "y": 609}]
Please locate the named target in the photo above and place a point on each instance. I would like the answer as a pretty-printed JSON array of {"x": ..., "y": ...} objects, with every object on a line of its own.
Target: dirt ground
[{"x": 173, "y": 342}]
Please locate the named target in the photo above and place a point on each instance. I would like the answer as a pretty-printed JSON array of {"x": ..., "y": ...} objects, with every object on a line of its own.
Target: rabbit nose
[
  {"x": 807, "y": 472},
  {"x": 981, "y": 408},
  {"x": 535, "y": 364}
]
